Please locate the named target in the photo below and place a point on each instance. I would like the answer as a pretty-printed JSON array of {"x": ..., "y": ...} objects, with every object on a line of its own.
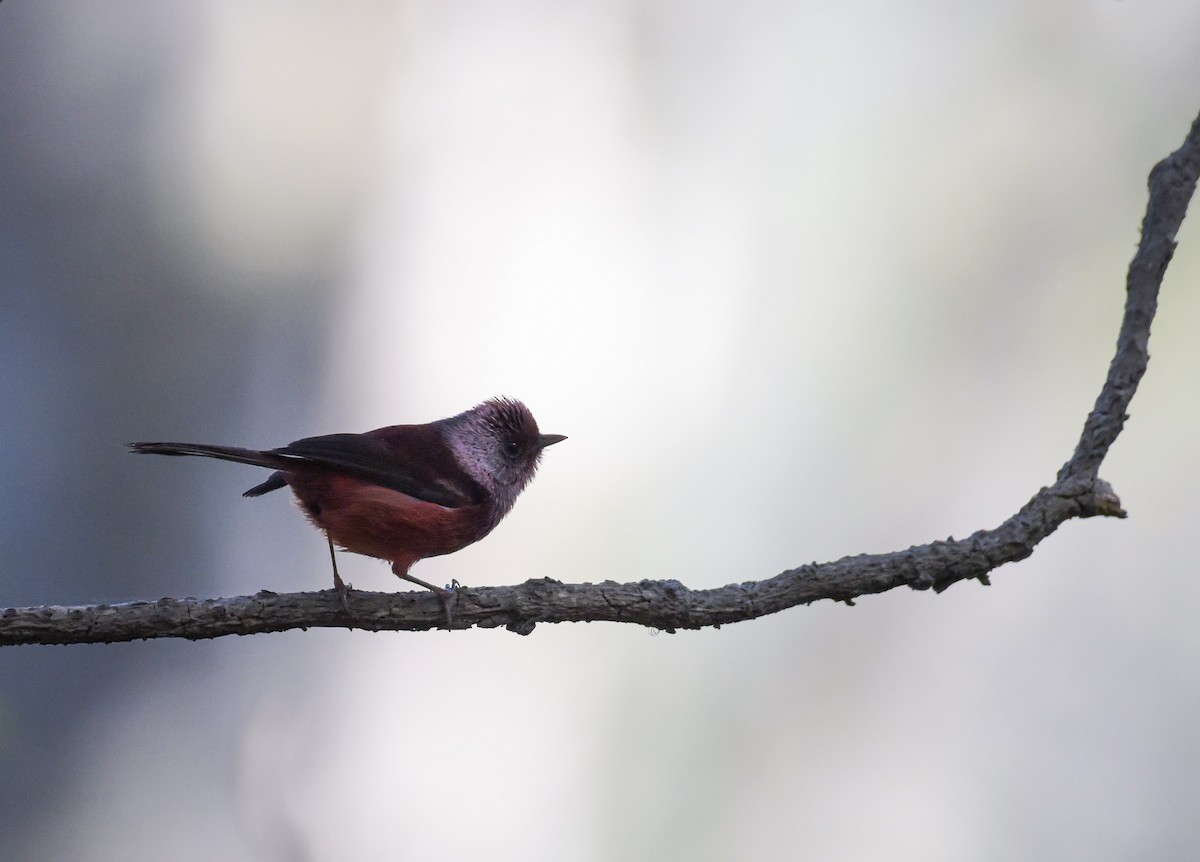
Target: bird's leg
[
  {"x": 343, "y": 589},
  {"x": 444, "y": 593}
]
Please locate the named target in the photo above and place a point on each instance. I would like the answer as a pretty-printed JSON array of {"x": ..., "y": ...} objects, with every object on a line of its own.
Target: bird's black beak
[{"x": 550, "y": 439}]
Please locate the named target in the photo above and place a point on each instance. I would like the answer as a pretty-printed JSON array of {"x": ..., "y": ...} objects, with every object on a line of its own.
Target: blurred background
[{"x": 799, "y": 280}]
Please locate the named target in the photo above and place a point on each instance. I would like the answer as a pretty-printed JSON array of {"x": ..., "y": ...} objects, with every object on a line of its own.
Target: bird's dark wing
[{"x": 399, "y": 468}]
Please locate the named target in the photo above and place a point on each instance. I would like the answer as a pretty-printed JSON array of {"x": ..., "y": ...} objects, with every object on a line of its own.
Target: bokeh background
[{"x": 799, "y": 280}]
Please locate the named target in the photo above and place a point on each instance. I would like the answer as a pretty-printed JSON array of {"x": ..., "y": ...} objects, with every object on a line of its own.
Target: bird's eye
[{"x": 512, "y": 448}]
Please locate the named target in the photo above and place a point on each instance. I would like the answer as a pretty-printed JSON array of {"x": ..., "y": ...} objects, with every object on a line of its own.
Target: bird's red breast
[{"x": 380, "y": 522}]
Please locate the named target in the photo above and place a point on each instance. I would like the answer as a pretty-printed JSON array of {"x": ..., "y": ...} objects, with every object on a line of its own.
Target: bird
[{"x": 401, "y": 493}]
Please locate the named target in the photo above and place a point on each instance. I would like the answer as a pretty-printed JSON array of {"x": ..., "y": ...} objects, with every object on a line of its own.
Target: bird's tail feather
[
  {"x": 225, "y": 453},
  {"x": 274, "y": 482},
  {"x": 255, "y": 457}
]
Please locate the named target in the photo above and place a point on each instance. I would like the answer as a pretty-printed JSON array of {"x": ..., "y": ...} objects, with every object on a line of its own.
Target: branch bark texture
[{"x": 1078, "y": 492}]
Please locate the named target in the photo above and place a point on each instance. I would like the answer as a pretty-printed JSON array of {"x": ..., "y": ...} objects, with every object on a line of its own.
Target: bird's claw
[
  {"x": 449, "y": 592},
  {"x": 343, "y": 591}
]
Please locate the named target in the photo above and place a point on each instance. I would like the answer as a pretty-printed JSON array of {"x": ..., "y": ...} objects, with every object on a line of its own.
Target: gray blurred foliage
[
  {"x": 894, "y": 235},
  {"x": 107, "y": 332}
]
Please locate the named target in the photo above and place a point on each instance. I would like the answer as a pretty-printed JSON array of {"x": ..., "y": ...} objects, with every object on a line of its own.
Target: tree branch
[{"x": 1078, "y": 492}]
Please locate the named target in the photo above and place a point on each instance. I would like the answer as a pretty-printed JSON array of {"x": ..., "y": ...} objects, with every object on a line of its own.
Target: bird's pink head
[{"x": 498, "y": 443}]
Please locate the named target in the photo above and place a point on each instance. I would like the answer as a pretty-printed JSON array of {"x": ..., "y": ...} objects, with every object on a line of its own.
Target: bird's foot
[
  {"x": 343, "y": 591},
  {"x": 341, "y": 587},
  {"x": 446, "y": 593}
]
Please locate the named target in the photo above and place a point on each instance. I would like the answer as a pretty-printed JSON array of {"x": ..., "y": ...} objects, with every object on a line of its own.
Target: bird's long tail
[{"x": 255, "y": 457}]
